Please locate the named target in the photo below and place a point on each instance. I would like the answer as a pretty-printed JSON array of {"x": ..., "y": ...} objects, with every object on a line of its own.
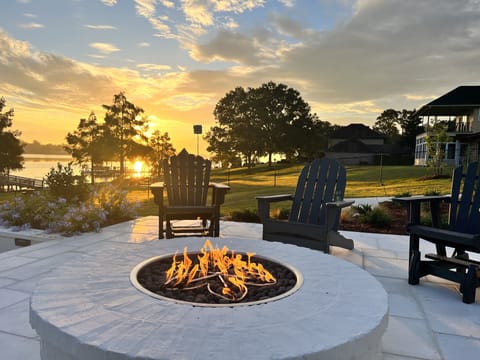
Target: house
[
  {"x": 357, "y": 144},
  {"x": 459, "y": 110}
]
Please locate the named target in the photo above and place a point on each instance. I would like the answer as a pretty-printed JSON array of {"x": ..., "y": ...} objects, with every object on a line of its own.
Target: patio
[{"x": 428, "y": 321}]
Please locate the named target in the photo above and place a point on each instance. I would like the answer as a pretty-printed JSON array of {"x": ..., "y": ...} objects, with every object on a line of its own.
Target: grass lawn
[{"x": 362, "y": 181}]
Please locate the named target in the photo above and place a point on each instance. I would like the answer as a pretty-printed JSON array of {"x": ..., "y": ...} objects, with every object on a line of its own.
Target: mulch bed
[{"x": 398, "y": 213}]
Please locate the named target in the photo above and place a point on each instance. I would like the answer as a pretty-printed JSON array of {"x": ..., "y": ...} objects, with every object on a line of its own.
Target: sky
[{"x": 349, "y": 59}]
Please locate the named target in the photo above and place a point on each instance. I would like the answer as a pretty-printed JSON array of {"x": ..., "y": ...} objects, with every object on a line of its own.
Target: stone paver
[{"x": 427, "y": 321}]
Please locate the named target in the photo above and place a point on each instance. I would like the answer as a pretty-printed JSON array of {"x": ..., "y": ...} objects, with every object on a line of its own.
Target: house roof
[
  {"x": 355, "y": 131},
  {"x": 350, "y": 146},
  {"x": 459, "y": 101},
  {"x": 357, "y": 146}
]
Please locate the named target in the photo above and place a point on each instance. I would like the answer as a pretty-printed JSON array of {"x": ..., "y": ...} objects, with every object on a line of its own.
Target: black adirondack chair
[
  {"x": 315, "y": 212},
  {"x": 187, "y": 185},
  {"x": 453, "y": 244}
]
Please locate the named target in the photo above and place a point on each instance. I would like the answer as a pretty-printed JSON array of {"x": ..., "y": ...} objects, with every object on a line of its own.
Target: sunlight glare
[{"x": 137, "y": 166}]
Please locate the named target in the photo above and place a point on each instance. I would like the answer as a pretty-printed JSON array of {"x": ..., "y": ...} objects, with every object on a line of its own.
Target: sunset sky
[{"x": 349, "y": 59}]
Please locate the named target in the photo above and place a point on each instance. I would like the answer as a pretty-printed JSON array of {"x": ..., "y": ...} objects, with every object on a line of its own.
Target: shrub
[
  {"x": 378, "y": 217},
  {"x": 281, "y": 214},
  {"x": 63, "y": 184},
  {"x": 42, "y": 210},
  {"x": 246, "y": 215},
  {"x": 362, "y": 209}
]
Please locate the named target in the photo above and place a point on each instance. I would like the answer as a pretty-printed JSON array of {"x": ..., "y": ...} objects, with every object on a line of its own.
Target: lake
[{"x": 39, "y": 165}]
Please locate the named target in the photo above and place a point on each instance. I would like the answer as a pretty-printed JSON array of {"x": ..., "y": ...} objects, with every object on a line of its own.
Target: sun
[{"x": 137, "y": 166}]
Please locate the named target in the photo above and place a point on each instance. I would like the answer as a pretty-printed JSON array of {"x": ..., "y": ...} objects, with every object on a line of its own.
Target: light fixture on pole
[{"x": 197, "y": 129}]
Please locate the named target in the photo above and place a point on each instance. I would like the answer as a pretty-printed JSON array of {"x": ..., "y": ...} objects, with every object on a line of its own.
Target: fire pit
[
  {"x": 215, "y": 277},
  {"x": 89, "y": 309}
]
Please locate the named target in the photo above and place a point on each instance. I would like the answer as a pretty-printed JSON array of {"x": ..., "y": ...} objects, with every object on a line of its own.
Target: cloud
[
  {"x": 31, "y": 25},
  {"x": 100, "y": 27},
  {"x": 382, "y": 53},
  {"x": 109, "y": 2},
  {"x": 104, "y": 48},
  {"x": 154, "y": 67},
  {"x": 144, "y": 44}
]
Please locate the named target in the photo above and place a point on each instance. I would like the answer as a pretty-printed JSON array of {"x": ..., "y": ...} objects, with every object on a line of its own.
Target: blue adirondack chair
[
  {"x": 453, "y": 244},
  {"x": 315, "y": 212}
]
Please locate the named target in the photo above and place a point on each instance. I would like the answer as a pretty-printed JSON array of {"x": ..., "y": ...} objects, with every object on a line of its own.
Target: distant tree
[
  {"x": 11, "y": 149},
  {"x": 272, "y": 118},
  {"x": 238, "y": 130},
  {"x": 125, "y": 128},
  {"x": 85, "y": 143},
  {"x": 386, "y": 124},
  {"x": 436, "y": 147},
  {"x": 161, "y": 148},
  {"x": 411, "y": 127}
]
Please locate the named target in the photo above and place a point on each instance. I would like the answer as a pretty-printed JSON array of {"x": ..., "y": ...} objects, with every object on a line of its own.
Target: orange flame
[{"x": 231, "y": 269}]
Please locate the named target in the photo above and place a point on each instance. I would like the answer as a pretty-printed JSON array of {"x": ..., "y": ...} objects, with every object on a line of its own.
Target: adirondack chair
[
  {"x": 187, "y": 185},
  {"x": 315, "y": 212},
  {"x": 461, "y": 237}
]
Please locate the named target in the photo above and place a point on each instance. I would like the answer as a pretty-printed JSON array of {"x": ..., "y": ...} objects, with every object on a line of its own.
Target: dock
[{"x": 9, "y": 182}]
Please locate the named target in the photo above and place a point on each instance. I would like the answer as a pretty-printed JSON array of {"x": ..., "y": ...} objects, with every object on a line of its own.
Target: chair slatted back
[
  {"x": 321, "y": 181},
  {"x": 186, "y": 179},
  {"x": 464, "y": 213}
]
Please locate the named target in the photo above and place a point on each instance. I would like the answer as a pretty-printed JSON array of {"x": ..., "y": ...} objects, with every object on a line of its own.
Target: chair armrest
[
  {"x": 219, "y": 191},
  {"x": 339, "y": 204},
  {"x": 263, "y": 204},
  {"x": 413, "y": 207},
  {"x": 157, "y": 191}
]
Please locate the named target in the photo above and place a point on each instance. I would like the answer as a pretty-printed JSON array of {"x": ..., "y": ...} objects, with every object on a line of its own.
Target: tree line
[
  {"x": 121, "y": 136},
  {"x": 274, "y": 119},
  {"x": 249, "y": 124}
]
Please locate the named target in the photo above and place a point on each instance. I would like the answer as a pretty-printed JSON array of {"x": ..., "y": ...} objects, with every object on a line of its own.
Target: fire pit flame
[{"x": 231, "y": 269}]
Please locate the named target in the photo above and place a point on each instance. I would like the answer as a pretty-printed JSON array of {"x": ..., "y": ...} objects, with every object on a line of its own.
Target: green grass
[{"x": 362, "y": 181}]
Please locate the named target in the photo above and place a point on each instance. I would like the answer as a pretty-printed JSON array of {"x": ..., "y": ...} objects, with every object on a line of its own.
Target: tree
[
  {"x": 284, "y": 119},
  {"x": 411, "y": 127},
  {"x": 84, "y": 144},
  {"x": 436, "y": 147},
  {"x": 237, "y": 130},
  {"x": 272, "y": 118},
  {"x": 161, "y": 148},
  {"x": 386, "y": 124},
  {"x": 125, "y": 128},
  {"x": 11, "y": 149}
]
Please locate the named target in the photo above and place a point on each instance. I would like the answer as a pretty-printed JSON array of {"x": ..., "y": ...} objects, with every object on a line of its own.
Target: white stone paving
[{"x": 427, "y": 321}]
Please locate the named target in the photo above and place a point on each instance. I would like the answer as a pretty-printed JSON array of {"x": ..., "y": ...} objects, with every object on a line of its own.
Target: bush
[
  {"x": 246, "y": 215},
  {"x": 42, "y": 210},
  {"x": 378, "y": 217},
  {"x": 63, "y": 184}
]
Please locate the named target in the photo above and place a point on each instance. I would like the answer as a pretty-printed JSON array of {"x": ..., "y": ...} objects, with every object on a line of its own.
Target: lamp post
[{"x": 197, "y": 129}]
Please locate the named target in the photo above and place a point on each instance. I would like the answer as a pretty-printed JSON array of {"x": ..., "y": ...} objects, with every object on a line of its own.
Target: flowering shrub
[{"x": 104, "y": 206}]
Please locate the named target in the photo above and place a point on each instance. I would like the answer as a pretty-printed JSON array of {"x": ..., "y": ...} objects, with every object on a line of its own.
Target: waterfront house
[{"x": 459, "y": 110}]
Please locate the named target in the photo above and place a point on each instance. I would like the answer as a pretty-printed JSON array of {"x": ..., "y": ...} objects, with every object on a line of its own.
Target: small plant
[
  {"x": 375, "y": 216},
  {"x": 246, "y": 215},
  {"x": 280, "y": 213},
  {"x": 362, "y": 209},
  {"x": 432, "y": 193},
  {"x": 63, "y": 184},
  {"x": 378, "y": 217}
]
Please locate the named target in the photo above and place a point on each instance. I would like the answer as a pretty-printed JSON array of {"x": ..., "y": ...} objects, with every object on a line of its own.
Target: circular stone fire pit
[
  {"x": 88, "y": 309},
  {"x": 150, "y": 277}
]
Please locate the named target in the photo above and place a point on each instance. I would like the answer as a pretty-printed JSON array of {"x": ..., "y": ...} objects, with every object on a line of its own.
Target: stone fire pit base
[{"x": 88, "y": 309}]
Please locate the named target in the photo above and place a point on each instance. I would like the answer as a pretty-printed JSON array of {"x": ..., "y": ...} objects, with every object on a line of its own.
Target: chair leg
[
  {"x": 168, "y": 230},
  {"x": 469, "y": 285},
  {"x": 414, "y": 268}
]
